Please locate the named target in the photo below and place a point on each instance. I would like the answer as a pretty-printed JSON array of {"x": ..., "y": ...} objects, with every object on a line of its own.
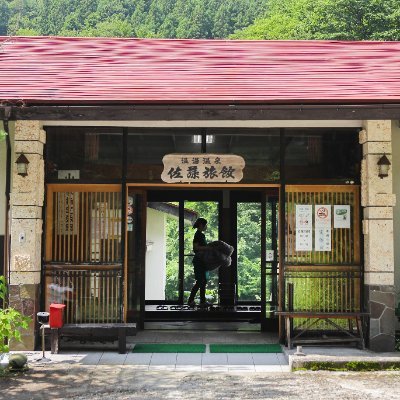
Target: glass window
[
  {"x": 83, "y": 153},
  {"x": 322, "y": 154},
  {"x": 259, "y": 148},
  {"x": 146, "y": 149}
]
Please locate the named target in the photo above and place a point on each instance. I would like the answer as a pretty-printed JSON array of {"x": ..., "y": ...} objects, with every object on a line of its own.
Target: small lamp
[
  {"x": 22, "y": 165},
  {"x": 383, "y": 165}
]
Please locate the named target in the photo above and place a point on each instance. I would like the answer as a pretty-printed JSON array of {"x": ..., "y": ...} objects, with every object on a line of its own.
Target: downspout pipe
[{"x": 6, "y": 117}]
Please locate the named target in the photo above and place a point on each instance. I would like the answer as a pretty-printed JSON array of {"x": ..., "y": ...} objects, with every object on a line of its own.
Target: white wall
[
  {"x": 156, "y": 257},
  {"x": 396, "y": 209}
]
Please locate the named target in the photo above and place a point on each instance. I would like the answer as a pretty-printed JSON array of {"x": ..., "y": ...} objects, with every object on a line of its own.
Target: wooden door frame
[
  {"x": 143, "y": 193},
  {"x": 262, "y": 187}
]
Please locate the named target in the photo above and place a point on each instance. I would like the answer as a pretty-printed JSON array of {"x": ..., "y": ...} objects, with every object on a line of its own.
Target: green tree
[
  {"x": 52, "y": 14},
  {"x": 114, "y": 27},
  {"x": 147, "y": 18},
  {"x": 4, "y": 16},
  {"x": 11, "y": 321},
  {"x": 23, "y": 14},
  {"x": 327, "y": 19}
]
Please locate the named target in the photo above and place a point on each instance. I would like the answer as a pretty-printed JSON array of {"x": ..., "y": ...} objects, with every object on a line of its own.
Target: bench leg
[
  {"x": 350, "y": 324},
  {"x": 54, "y": 340},
  {"x": 122, "y": 340},
  {"x": 288, "y": 332},
  {"x": 360, "y": 332}
]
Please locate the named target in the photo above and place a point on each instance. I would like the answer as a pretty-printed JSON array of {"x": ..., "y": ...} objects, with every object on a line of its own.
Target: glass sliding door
[
  {"x": 255, "y": 261},
  {"x": 248, "y": 248},
  {"x": 210, "y": 211},
  {"x": 272, "y": 256},
  {"x": 169, "y": 244},
  {"x": 162, "y": 251}
]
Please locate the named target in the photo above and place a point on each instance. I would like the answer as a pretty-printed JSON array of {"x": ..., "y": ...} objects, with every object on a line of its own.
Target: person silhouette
[{"x": 200, "y": 272}]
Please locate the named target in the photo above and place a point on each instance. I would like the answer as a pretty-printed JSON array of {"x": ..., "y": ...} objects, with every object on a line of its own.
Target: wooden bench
[
  {"x": 114, "y": 330},
  {"x": 348, "y": 334}
]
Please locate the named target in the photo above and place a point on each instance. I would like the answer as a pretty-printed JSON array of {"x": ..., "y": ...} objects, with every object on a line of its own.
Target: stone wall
[
  {"x": 396, "y": 209},
  {"x": 3, "y": 169},
  {"x": 27, "y": 197},
  {"x": 378, "y": 200}
]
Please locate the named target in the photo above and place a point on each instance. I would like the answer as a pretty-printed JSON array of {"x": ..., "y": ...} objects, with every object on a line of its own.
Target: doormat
[
  {"x": 245, "y": 348},
  {"x": 168, "y": 348}
]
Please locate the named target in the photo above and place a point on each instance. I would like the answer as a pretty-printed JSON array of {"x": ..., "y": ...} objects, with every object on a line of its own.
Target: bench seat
[
  {"x": 118, "y": 330},
  {"x": 348, "y": 335}
]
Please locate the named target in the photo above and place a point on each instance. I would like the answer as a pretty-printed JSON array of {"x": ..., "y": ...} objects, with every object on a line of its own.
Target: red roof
[{"x": 102, "y": 70}]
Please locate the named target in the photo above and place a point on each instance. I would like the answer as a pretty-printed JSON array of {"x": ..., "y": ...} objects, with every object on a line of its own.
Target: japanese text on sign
[
  {"x": 303, "y": 227},
  {"x": 202, "y": 168}
]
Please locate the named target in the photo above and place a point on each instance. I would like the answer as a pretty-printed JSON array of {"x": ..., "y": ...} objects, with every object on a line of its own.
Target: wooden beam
[{"x": 204, "y": 112}]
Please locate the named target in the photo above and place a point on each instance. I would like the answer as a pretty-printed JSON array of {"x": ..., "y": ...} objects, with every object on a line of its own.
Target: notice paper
[
  {"x": 341, "y": 217},
  {"x": 323, "y": 225},
  {"x": 303, "y": 227}
]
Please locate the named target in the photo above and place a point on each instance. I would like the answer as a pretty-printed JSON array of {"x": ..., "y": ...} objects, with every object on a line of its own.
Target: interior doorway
[{"x": 162, "y": 258}]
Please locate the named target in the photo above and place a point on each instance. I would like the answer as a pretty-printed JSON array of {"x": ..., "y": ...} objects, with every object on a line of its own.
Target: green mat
[
  {"x": 169, "y": 348},
  {"x": 245, "y": 348}
]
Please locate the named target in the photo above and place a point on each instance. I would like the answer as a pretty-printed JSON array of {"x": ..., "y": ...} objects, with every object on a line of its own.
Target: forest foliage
[
  {"x": 129, "y": 18},
  {"x": 205, "y": 19},
  {"x": 326, "y": 20}
]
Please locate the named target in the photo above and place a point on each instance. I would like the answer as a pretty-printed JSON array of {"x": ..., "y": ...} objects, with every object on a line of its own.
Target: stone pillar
[
  {"x": 27, "y": 196},
  {"x": 378, "y": 200}
]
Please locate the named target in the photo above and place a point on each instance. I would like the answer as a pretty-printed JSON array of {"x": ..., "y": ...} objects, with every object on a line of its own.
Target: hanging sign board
[
  {"x": 202, "y": 168},
  {"x": 323, "y": 224},
  {"x": 341, "y": 217},
  {"x": 68, "y": 203},
  {"x": 303, "y": 227}
]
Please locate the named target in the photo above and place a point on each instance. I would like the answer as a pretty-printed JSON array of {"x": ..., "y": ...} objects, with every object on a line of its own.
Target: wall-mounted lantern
[
  {"x": 22, "y": 165},
  {"x": 383, "y": 165}
]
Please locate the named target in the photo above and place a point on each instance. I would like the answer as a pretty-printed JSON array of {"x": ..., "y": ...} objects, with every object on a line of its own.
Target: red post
[{"x": 57, "y": 315}]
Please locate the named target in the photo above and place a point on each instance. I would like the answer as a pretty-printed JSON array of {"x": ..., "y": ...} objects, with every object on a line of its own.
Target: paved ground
[
  {"x": 132, "y": 382},
  {"x": 188, "y": 362},
  {"x": 98, "y": 372}
]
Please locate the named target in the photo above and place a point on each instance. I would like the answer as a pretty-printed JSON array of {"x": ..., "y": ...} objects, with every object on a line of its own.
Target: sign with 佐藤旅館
[{"x": 202, "y": 168}]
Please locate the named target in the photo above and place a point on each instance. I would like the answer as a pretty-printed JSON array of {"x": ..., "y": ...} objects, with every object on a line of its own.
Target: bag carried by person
[{"x": 218, "y": 254}]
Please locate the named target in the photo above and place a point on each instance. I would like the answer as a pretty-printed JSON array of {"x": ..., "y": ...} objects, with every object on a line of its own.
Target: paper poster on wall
[
  {"x": 303, "y": 216},
  {"x": 303, "y": 239},
  {"x": 269, "y": 255},
  {"x": 323, "y": 240},
  {"x": 323, "y": 225},
  {"x": 323, "y": 216},
  {"x": 341, "y": 217},
  {"x": 303, "y": 227}
]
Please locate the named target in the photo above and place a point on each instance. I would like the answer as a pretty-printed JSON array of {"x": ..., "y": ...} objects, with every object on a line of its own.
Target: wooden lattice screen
[
  {"x": 326, "y": 278},
  {"x": 345, "y": 242},
  {"x": 83, "y": 224},
  {"x": 84, "y": 262}
]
